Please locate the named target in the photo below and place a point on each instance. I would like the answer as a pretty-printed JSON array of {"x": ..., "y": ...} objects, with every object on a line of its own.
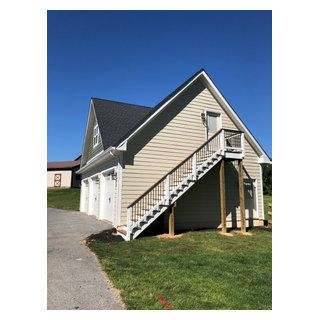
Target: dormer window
[{"x": 96, "y": 135}]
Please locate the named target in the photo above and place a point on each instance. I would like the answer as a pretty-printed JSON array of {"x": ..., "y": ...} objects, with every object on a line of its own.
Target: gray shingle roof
[{"x": 117, "y": 119}]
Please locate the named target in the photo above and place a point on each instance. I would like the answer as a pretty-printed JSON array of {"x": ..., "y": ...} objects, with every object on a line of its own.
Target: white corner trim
[
  {"x": 261, "y": 195},
  {"x": 117, "y": 221}
]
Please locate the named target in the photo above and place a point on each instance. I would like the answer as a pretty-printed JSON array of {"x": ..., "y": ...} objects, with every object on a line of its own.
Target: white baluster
[
  {"x": 167, "y": 189},
  {"x": 194, "y": 166},
  {"x": 242, "y": 144},
  {"x": 222, "y": 142},
  {"x": 129, "y": 221}
]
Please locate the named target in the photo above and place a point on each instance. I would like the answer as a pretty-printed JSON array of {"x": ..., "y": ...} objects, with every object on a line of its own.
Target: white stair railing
[{"x": 158, "y": 196}]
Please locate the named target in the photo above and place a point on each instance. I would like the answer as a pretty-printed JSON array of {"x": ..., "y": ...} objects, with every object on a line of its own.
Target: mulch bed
[{"x": 106, "y": 236}]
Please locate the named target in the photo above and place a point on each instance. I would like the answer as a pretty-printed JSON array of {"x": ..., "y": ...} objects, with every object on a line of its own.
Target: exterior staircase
[{"x": 150, "y": 205}]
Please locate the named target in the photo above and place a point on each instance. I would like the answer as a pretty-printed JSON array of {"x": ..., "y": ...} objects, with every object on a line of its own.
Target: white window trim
[{"x": 96, "y": 135}]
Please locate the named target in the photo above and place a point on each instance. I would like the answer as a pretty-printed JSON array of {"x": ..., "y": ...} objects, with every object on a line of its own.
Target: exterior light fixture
[{"x": 204, "y": 119}]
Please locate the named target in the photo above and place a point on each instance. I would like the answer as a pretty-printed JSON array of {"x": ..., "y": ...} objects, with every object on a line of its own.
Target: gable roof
[
  {"x": 154, "y": 109},
  {"x": 116, "y": 119},
  {"x": 63, "y": 164},
  {"x": 203, "y": 76},
  {"x": 127, "y": 122}
]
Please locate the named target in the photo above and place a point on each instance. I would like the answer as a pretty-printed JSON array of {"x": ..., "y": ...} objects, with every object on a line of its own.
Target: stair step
[
  {"x": 122, "y": 230},
  {"x": 178, "y": 185}
]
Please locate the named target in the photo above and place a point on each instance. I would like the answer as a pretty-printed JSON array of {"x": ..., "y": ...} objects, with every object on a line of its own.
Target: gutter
[{"x": 107, "y": 154}]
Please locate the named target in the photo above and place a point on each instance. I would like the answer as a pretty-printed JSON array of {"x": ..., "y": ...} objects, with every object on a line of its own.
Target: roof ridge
[
  {"x": 130, "y": 104},
  {"x": 159, "y": 104},
  {"x": 172, "y": 93}
]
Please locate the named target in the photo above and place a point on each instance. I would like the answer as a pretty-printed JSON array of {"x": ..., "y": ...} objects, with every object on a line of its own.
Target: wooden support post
[
  {"x": 241, "y": 197},
  {"x": 223, "y": 197},
  {"x": 171, "y": 220}
]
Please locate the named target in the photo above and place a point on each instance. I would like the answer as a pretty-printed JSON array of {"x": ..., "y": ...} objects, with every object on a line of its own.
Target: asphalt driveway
[{"x": 75, "y": 279}]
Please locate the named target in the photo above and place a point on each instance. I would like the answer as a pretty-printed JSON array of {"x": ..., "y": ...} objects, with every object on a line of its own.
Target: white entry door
[
  {"x": 109, "y": 198},
  {"x": 96, "y": 199},
  {"x": 250, "y": 198},
  {"x": 213, "y": 123}
]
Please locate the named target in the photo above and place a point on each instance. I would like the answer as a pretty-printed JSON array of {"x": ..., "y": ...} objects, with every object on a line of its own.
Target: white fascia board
[
  {"x": 85, "y": 134},
  {"x": 225, "y": 105},
  {"x": 96, "y": 156},
  {"x": 229, "y": 110},
  {"x": 104, "y": 156},
  {"x": 157, "y": 112},
  {"x": 97, "y": 122},
  {"x": 265, "y": 159},
  {"x": 122, "y": 146}
]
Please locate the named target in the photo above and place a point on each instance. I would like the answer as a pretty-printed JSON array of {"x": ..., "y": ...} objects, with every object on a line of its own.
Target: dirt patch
[
  {"x": 265, "y": 228},
  {"x": 245, "y": 234},
  {"x": 226, "y": 234},
  {"x": 106, "y": 236},
  {"x": 167, "y": 236}
]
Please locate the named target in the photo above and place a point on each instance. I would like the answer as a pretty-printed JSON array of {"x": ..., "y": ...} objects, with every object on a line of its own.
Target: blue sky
[{"x": 141, "y": 56}]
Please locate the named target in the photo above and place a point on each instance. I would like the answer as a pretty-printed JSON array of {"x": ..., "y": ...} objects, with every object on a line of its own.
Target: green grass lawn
[
  {"x": 267, "y": 200},
  {"x": 67, "y": 199},
  {"x": 200, "y": 270}
]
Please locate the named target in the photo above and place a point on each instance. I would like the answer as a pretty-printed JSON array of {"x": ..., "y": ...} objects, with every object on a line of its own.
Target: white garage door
[
  {"x": 108, "y": 198},
  {"x": 86, "y": 196},
  {"x": 96, "y": 197}
]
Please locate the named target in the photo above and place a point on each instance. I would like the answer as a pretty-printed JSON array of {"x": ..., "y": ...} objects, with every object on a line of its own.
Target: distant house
[
  {"x": 190, "y": 159},
  {"x": 62, "y": 174}
]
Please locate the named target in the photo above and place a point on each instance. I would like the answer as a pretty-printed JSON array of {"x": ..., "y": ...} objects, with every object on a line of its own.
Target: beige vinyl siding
[
  {"x": 199, "y": 207},
  {"x": 252, "y": 171},
  {"x": 173, "y": 135}
]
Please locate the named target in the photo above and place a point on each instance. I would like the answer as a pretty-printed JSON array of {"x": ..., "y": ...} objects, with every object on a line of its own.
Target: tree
[{"x": 267, "y": 178}]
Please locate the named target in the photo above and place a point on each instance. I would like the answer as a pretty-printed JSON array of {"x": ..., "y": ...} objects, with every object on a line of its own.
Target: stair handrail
[{"x": 177, "y": 166}]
